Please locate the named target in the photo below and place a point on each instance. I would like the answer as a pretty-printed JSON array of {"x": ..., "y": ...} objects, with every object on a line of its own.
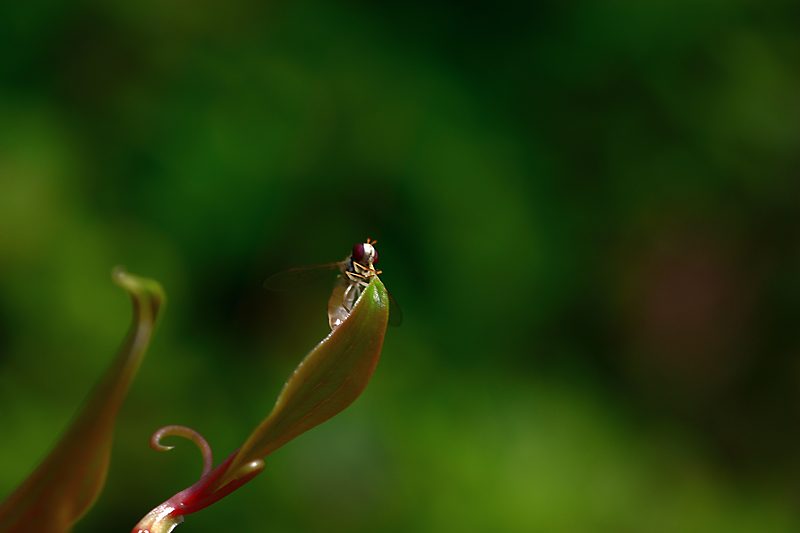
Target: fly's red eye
[
  {"x": 374, "y": 256},
  {"x": 358, "y": 252}
]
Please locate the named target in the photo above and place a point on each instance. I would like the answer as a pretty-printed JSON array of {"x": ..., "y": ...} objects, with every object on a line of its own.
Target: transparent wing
[
  {"x": 395, "y": 315},
  {"x": 298, "y": 277}
]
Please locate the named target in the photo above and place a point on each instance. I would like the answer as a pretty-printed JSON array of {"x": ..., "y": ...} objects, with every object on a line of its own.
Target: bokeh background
[{"x": 588, "y": 211}]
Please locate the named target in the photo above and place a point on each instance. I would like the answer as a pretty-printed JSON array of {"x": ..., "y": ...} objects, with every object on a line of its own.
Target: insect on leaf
[{"x": 328, "y": 380}]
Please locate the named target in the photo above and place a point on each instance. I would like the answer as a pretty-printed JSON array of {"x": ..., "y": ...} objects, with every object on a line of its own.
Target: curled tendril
[{"x": 188, "y": 433}]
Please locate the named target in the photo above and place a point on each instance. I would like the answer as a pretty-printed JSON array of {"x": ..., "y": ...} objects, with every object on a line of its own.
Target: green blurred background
[{"x": 588, "y": 212}]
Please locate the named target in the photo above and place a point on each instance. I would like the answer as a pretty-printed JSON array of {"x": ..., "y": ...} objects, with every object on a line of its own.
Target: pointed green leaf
[
  {"x": 329, "y": 379},
  {"x": 68, "y": 481}
]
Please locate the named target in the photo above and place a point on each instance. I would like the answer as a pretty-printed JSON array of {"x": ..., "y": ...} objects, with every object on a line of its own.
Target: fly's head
[{"x": 365, "y": 254}]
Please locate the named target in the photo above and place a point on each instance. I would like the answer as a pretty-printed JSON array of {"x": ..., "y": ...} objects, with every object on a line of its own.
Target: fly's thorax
[{"x": 347, "y": 265}]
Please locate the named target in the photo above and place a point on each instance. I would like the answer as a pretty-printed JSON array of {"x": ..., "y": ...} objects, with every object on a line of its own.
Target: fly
[{"x": 356, "y": 272}]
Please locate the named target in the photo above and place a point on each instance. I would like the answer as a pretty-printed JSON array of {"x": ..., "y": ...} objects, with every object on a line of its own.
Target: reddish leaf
[
  {"x": 329, "y": 379},
  {"x": 68, "y": 481}
]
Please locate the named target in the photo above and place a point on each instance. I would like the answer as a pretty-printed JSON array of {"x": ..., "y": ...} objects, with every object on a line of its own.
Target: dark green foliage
[{"x": 588, "y": 212}]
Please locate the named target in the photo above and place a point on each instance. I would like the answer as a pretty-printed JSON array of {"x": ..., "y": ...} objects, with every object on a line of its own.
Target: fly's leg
[
  {"x": 357, "y": 277},
  {"x": 352, "y": 286},
  {"x": 344, "y": 296},
  {"x": 359, "y": 280},
  {"x": 362, "y": 278}
]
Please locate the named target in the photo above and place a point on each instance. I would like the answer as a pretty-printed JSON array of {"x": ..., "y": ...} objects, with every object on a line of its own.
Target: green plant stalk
[{"x": 327, "y": 381}]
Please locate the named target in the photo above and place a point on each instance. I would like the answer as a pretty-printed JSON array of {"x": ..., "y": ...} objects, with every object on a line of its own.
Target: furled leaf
[
  {"x": 69, "y": 480},
  {"x": 329, "y": 379}
]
